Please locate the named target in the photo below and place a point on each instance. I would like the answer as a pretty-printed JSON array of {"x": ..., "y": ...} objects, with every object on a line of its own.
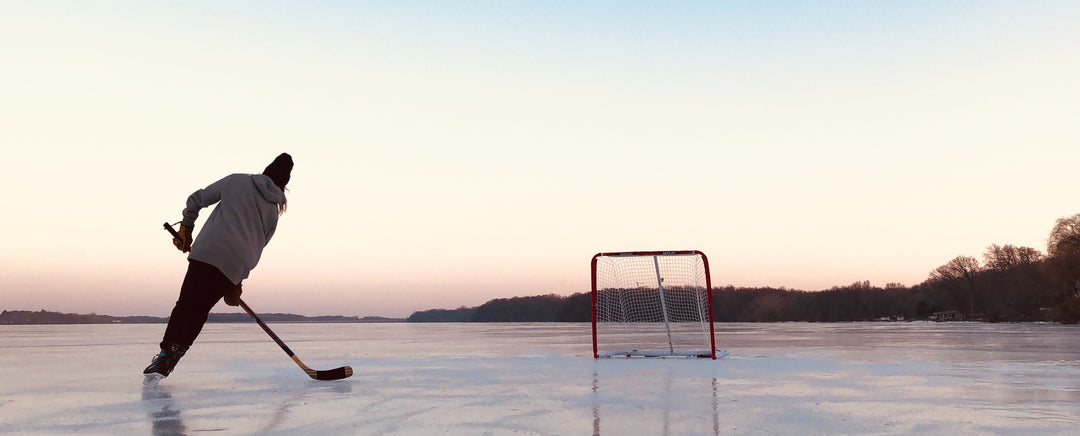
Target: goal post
[{"x": 652, "y": 304}]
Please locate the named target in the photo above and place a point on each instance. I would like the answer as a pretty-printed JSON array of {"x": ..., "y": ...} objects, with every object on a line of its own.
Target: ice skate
[{"x": 163, "y": 363}]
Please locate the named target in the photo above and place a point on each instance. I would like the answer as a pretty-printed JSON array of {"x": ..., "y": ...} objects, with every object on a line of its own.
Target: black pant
[{"x": 203, "y": 286}]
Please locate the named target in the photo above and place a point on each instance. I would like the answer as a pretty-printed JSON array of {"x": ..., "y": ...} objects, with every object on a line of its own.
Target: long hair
[{"x": 280, "y": 171}]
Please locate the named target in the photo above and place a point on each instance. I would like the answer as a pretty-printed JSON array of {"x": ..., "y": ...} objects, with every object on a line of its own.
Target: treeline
[
  {"x": 1023, "y": 293},
  {"x": 23, "y": 317},
  {"x": 856, "y": 302},
  {"x": 289, "y": 317},
  {"x": 1010, "y": 284},
  {"x": 18, "y": 317},
  {"x": 541, "y": 308}
]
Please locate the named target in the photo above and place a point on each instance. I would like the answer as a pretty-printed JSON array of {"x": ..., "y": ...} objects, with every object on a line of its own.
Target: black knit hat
[{"x": 279, "y": 170}]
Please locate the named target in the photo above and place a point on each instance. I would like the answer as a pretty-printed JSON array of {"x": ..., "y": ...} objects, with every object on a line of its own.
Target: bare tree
[
  {"x": 1009, "y": 257},
  {"x": 1064, "y": 239},
  {"x": 962, "y": 269},
  {"x": 1063, "y": 247}
]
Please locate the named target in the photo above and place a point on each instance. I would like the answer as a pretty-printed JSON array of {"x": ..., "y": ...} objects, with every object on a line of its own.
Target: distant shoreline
[
  {"x": 858, "y": 302},
  {"x": 43, "y": 317}
]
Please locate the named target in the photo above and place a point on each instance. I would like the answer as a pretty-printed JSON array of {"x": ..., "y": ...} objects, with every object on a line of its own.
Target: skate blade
[{"x": 151, "y": 380}]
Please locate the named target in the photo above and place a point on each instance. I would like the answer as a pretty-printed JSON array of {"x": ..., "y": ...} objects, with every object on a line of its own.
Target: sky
[{"x": 449, "y": 153}]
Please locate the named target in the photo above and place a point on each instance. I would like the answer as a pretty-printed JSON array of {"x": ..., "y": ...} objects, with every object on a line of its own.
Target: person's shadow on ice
[{"x": 164, "y": 418}]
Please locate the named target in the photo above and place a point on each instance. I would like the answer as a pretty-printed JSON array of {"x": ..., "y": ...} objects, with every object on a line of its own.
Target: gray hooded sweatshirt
[{"x": 239, "y": 227}]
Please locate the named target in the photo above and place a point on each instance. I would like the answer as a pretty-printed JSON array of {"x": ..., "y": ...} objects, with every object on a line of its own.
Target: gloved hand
[
  {"x": 183, "y": 244},
  {"x": 232, "y": 296}
]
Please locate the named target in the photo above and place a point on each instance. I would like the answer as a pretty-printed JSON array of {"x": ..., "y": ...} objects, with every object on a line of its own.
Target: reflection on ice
[
  {"x": 690, "y": 407},
  {"x": 164, "y": 417},
  {"x": 474, "y": 379}
]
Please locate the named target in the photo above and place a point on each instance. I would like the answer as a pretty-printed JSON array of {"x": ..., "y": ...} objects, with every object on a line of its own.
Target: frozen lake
[{"x": 540, "y": 379}]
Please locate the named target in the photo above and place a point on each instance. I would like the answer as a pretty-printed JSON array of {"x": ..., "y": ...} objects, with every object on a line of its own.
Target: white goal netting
[{"x": 652, "y": 304}]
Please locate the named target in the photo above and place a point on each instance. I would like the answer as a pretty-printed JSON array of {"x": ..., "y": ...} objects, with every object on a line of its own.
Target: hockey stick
[{"x": 330, "y": 374}]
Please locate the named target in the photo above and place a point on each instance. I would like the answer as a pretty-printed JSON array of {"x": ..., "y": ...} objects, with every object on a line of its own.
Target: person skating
[{"x": 228, "y": 248}]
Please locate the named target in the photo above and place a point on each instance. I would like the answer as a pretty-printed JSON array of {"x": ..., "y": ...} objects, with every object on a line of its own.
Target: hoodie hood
[{"x": 266, "y": 187}]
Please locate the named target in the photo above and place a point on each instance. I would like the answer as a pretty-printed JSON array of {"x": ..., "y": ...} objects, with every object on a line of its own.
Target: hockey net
[{"x": 653, "y": 304}]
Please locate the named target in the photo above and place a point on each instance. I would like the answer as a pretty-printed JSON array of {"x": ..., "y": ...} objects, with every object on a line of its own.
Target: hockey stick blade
[
  {"x": 330, "y": 374},
  {"x": 333, "y": 374}
]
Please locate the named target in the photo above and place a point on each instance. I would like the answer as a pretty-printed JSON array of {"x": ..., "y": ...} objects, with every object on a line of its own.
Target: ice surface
[{"x": 494, "y": 379}]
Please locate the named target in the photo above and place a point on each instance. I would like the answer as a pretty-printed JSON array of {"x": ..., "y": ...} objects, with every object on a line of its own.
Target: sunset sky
[{"x": 449, "y": 153}]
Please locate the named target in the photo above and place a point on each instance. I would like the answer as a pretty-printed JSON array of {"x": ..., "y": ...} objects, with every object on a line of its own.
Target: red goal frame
[{"x": 708, "y": 289}]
